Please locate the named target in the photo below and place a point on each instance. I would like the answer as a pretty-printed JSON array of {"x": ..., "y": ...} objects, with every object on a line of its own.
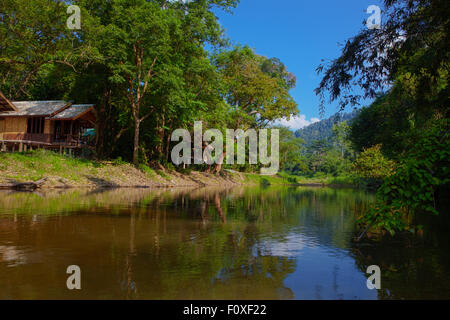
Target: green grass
[
  {"x": 64, "y": 170},
  {"x": 163, "y": 174},
  {"x": 253, "y": 178},
  {"x": 283, "y": 178},
  {"x": 147, "y": 170},
  {"x": 37, "y": 164},
  {"x": 342, "y": 180}
]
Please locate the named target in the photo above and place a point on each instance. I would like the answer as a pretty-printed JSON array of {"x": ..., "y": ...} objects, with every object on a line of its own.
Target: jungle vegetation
[
  {"x": 154, "y": 66},
  {"x": 403, "y": 137}
]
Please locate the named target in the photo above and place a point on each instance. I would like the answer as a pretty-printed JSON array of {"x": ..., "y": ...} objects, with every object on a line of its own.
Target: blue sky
[{"x": 300, "y": 33}]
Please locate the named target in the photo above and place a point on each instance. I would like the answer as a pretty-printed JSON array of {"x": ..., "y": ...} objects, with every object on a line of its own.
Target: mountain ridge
[{"x": 323, "y": 130}]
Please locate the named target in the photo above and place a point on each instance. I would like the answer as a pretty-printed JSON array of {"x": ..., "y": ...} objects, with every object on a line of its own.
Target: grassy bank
[
  {"x": 66, "y": 171},
  {"x": 63, "y": 171},
  {"x": 286, "y": 179}
]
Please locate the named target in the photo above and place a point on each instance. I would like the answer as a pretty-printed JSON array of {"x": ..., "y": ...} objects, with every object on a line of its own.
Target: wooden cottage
[{"x": 46, "y": 124}]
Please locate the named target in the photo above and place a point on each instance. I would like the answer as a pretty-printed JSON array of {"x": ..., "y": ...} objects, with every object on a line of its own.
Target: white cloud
[{"x": 297, "y": 122}]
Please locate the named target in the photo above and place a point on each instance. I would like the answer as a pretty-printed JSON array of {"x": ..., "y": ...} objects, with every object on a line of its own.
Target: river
[{"x": 212, "y": 243}]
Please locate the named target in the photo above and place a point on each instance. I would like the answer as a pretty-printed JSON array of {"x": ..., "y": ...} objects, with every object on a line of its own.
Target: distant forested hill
[{"x": 323, "y": 129}]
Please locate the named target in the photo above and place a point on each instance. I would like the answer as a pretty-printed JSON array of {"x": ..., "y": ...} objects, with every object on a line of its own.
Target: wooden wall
[
  {"x": 49, "y": 127},
  {"x": 2, "y": 129},
  {"x": 16, "y": 129},
  {"x": 15, "y": 125},
  {"x": 19, "y": 125}
]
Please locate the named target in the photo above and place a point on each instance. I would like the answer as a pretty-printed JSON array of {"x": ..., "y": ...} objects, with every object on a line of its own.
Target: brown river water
[{"x": 212, "y": 243}]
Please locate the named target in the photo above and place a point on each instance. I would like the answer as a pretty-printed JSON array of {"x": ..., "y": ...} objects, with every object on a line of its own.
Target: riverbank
[{"x": 67, "y": 172}]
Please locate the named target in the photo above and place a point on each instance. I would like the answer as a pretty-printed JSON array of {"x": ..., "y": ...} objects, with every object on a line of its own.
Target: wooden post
[{"x": 60, "y": 149}]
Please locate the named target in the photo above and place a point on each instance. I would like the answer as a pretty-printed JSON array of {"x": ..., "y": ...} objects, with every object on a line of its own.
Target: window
[{"x": 36, "y": 125}]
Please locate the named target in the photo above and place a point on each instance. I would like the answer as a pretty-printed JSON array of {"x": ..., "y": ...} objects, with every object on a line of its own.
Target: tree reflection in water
[{"x": 209, "y": 243}]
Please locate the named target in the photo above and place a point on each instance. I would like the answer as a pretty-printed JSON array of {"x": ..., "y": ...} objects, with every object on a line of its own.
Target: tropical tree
[
  {"x": 155, "y": 59},
  {"x": 406, "y": 63},
  {"x": 372, "y": 165},
  {"x": 291, "y": 147},
  {"x": 34, "y": 41},
  {"x": 340, "y": 134},
  {"x": 384, "y": 122},
  {"x": 256, "y": 88},
  {"x": 407, "y": 56}
]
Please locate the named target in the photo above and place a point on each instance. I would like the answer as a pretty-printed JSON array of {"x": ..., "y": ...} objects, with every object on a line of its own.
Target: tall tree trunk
[
  {"x": 101, "y": 123},
  {"x": 135, "y": 95},
  {"x": 219, "y": 164},
  {"x": 137, "y": 124},
  {"x": 168, "y": 148},
  {"x": 160, "y": 130}
]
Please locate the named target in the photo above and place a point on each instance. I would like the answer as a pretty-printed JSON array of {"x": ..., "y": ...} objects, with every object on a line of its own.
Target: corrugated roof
[
  {"x": 36, "y": 108},
  {"x": 73, "y": 111}
]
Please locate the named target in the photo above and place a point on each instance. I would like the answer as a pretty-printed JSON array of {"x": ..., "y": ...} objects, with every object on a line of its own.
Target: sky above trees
[{"x": 300, "y": 33}]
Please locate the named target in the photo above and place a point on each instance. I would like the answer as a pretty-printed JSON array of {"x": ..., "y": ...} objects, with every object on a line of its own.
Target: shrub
[
  {"x": 371, "y": 164},
  {"x": 411, "y": 187}
]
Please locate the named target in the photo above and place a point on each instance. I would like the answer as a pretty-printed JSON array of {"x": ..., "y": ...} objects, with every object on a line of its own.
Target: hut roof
[
  {"x": 53, "y": 110},
  {"x": 73, "y": 112},
  {"x": 36, "y": 108}
]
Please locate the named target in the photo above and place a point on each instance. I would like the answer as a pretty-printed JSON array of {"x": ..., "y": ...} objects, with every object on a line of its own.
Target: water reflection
[{"x": 214, "y": 243}]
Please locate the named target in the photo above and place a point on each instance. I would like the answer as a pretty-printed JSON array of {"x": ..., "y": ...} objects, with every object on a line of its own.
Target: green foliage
[
  {"x": 255, "y": 87},
  {"x": 163, "y": 174},
  {"x": 345, "y": 180},
  {"x": 406, "y": 117},
  {"x": 119, "y": 161},
  {"x": 281, "y": 178},
  {"x": 414, "y": 41},
  {"x": 37, "y": 48},
  {"x": 412, "y": 186},
  {"x": 372, "y": 165},
  {"x": 149, "y": 171},
  {"x": 265, "y": 182},
  {"x": 143, "y": 63},
  {"x": 383, "y": 122},
  {"x": 289, "y": 178},
  {"x": 291, "y": 158},
  {"x": 331, "y": 156}
]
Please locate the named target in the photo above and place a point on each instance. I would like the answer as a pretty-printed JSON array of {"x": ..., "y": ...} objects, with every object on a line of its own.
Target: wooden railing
[
  {"x": 67, "y": 139},
  {"x": 35, "y": 137}
]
